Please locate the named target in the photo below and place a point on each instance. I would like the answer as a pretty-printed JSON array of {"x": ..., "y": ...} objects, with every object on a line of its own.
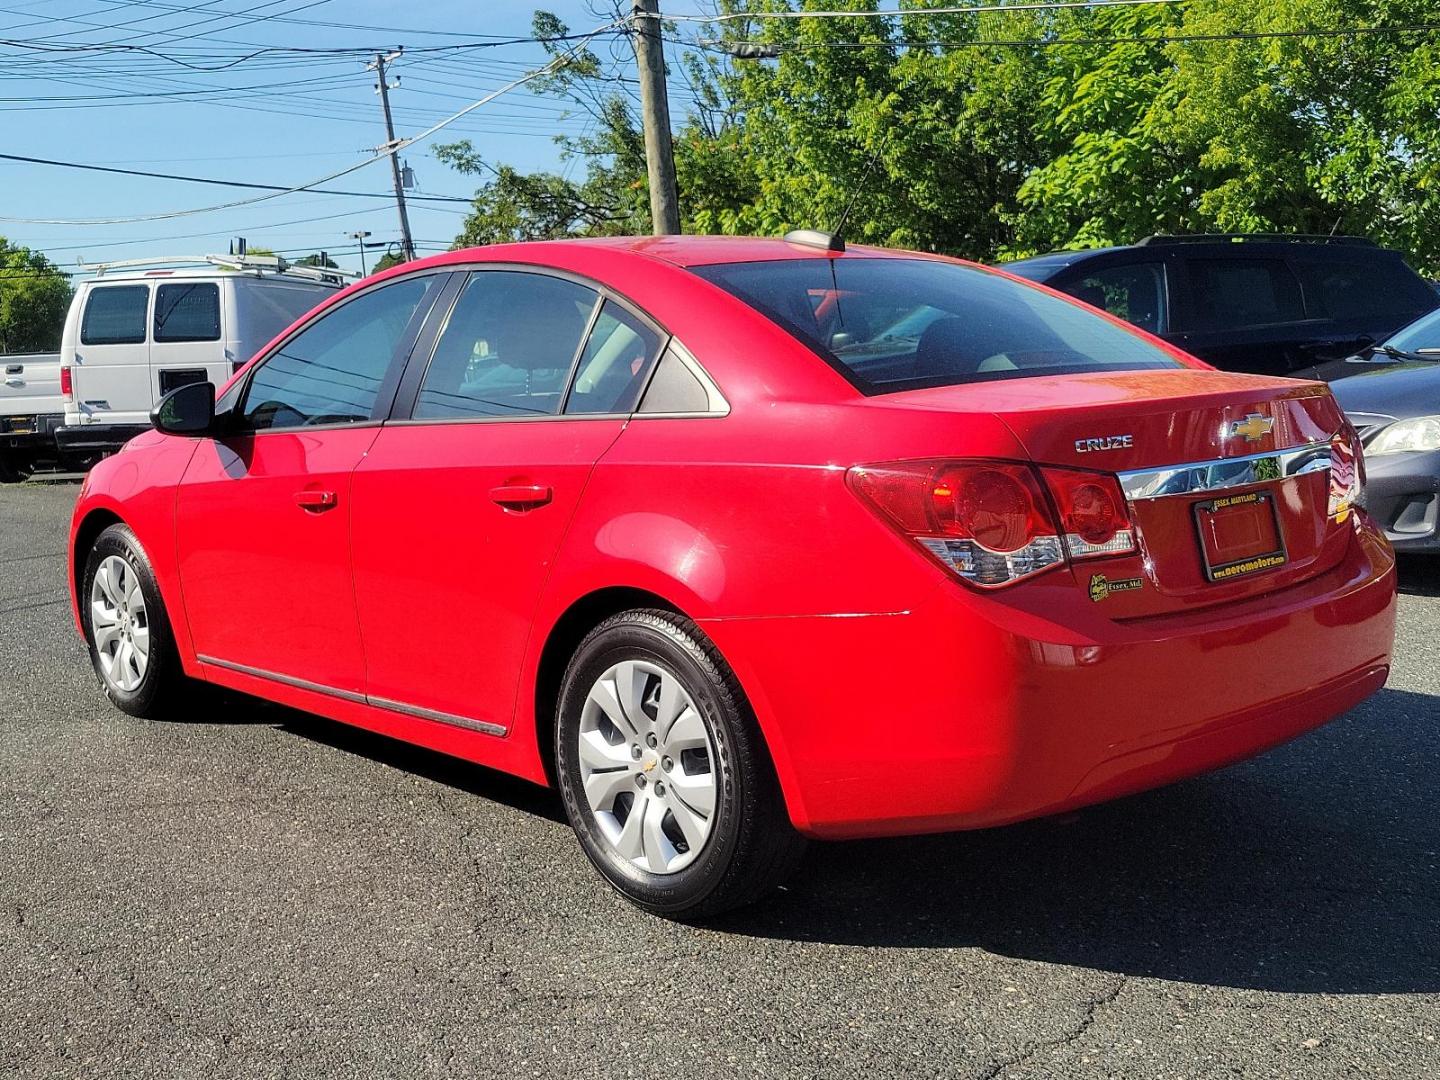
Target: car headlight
[{"x": 1406, "y": 436}]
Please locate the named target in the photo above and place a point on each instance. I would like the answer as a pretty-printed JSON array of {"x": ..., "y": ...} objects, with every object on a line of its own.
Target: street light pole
[
  {"x": 383, "y": 88},
  {"x": 359, "y": 237}
]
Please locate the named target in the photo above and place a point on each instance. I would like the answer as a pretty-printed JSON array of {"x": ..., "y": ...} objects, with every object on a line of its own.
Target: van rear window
[
  {"x": 901, "y": 324},
  {"x": 187, "y": 311},
  {"x": 115, "y": 315}
]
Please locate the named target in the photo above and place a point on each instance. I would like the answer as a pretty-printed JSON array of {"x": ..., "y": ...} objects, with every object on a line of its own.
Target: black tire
[
  {"x": 164, "y": 687},
  {"x": 14, "y": 467},
  {"x": 751, "y": 846}
]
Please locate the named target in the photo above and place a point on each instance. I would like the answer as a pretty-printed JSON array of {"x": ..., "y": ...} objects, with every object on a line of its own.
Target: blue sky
[{"x": 281, "y": 119}]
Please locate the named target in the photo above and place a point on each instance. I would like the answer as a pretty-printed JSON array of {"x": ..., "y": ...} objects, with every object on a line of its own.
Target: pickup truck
[{"x": 31, "y": 409}]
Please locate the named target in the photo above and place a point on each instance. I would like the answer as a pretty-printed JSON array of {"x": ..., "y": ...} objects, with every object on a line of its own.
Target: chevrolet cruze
[{"x": 741, "y": 541}]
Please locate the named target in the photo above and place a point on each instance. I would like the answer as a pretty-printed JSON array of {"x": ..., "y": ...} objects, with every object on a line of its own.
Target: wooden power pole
[
  {"x": 383, "y": 87},
  {"x": 655, "y": 107}
]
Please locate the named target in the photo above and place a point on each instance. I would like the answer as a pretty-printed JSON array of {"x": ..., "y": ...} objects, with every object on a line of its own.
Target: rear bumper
[
  {"x": 1402, "y": 493},
  {"x": 30, "y": 432},
  {"x": 91, "y": 439},
  {"x": 962, "y": 715}
]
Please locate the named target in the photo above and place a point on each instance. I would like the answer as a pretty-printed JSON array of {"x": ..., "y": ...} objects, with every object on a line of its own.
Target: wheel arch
[
  {"x": 564, "y": 636},
  {"x": 87, "y": 530}
]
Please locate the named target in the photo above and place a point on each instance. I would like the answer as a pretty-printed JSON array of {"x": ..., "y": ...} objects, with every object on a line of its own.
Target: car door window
[
  {"x": 613, "y": 367},
  {"x": 187, "y": 312},
  {"x": 507, "y": 348},
  {"x": 1135, "y": 293},
  {"x": 1227, "y": 294},
  {"x": 1363, "y": 288},
  {"x": 331, "y": 371},
  {"x": 115, "y": 315}
]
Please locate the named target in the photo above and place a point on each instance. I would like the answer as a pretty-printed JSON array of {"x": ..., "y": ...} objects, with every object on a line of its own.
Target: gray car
[{"x": 1394, "y": 401}]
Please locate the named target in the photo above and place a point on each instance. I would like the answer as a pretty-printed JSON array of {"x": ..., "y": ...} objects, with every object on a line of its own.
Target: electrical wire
[
  {"x": 386, "y": 151},
  {"x": 973, "y": 9}
]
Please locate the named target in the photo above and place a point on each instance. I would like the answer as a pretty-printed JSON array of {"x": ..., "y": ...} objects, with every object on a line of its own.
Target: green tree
[
  {"x": 321, "y": 259},
  {"x": 34, "y": 296},
  {"x": 389, "y": 259}
]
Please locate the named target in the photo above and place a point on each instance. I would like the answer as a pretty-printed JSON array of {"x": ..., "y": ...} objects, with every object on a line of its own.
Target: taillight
[
  {"x": 991, "y": 522},
  {"x": 1093, "y": 517},
  {"x": 1347, "y": 473},
  {"x": 67, "y": 389}
]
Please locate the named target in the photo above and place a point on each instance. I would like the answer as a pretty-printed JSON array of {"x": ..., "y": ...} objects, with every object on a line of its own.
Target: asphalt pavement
[{"x": 260, "y": 893}]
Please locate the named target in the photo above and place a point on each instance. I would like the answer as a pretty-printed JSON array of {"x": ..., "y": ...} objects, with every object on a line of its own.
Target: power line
[
  {"x": 766, "y": 49},
  {"x": 218, "y": 182},
  {"x": 974, "y": 9},
  {"x": 389, "y": 150}
]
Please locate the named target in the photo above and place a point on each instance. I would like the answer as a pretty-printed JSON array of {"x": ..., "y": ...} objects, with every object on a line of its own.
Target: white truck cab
[{"x": 132, "y": 337}]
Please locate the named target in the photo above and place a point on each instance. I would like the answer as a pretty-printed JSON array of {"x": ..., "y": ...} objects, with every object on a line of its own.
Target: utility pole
[
  {"x": 359, "y": 237},
  {"x": 383, "y": 89},
  {"x": 655, "y": 108}
]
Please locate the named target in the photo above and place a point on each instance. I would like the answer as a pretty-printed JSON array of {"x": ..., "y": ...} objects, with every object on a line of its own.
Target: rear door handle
[
  {"x": 315, "y": 500},
  {"x": 521, "y": 496}
]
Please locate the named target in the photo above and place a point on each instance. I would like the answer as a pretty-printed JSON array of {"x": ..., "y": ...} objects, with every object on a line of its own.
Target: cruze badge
[
  {"x": 1109, "y": 442},
  {"x": 1254, "y": 427}
]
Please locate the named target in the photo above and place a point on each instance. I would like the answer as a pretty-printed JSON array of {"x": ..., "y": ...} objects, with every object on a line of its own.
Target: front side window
[
  {"x": 330, "y": 372},
  {"x": 187, "y": 312},
  {"x": 1227, "y": 294},
  {"x": 115, "y": 315},
  {"x": 612, "y": 369},
  {"x": 1135, "y": 293},
  {"x": 507, "y": 347},
  {"x": 898, "y": 324}
]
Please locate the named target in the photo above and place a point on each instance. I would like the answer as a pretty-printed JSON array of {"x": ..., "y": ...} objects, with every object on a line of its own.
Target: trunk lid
[{"x": 1258, "y": 451}]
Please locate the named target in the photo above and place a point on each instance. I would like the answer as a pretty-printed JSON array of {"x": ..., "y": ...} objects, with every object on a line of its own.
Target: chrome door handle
[
  {"x": 315, "y": 501},
  {"x": 521, "y": 496}
]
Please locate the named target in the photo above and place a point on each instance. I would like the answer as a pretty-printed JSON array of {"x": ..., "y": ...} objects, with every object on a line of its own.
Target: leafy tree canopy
[
  {"x": 1009, "y": 133},
  {"x": 34, "y": 296}
]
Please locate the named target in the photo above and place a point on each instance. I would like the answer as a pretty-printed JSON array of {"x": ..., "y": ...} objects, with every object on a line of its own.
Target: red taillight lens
[
  {"x": 1092, "y": 513},
  {"x": 990, "y": 522},
  {"x": 1347, "y": 473},
  {"x": 66, "y": 389},
  {"x": 986, "y": 521}
]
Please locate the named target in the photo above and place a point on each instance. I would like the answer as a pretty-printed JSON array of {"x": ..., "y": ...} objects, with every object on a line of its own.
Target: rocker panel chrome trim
[{"x": 482, "y": 726}]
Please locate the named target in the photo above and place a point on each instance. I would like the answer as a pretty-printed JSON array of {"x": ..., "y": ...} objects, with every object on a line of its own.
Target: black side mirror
[{"x": 186, "y": 410}]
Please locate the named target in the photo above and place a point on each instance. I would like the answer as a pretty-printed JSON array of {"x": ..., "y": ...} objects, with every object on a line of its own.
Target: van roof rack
[
  {"x": 256, "y": 264},
  {"x": 1162, "y": 239}
]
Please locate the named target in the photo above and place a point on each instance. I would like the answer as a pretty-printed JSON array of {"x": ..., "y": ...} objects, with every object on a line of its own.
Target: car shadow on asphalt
[
  {"x": 1311, "y": 869},
  {"x": 1419, "y": 574}
]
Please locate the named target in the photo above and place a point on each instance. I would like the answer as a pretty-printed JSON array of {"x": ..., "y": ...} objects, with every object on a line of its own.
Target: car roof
[
  {"x": 140, "y": 277},
  {"x": 683, "y": 251}
]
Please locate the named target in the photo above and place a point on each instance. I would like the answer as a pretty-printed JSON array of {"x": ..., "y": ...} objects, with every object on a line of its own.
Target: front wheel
[
  {"x": 663, "y": 772},
  {"x": 131, "y": 645}
]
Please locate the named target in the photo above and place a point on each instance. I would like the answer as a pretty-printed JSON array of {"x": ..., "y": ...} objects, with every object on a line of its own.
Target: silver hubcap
[
  {"x": 120, "y": 624},
  {"x": 648, "y": 765}
]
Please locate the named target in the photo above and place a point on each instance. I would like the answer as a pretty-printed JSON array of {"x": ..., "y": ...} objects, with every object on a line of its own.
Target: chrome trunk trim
[
  {"x": 1222, "y": 474},
  {"x": 482, "y": 726}
]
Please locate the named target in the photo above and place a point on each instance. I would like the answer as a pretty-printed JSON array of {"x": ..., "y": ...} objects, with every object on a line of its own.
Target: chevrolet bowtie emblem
[
  {"x": 648, "y": 765},
  {"x": 1254, "y": 427}
]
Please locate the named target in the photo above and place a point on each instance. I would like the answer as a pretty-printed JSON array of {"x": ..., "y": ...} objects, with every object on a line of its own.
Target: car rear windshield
[{"x": 900, "y": 324}]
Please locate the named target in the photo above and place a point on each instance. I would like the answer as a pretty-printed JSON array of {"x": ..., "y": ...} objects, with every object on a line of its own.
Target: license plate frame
[{"x": 1267, "y": 555}]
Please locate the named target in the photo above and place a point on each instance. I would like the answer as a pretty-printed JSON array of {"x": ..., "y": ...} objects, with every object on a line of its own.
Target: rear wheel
[
  {"x": 663, "y": 773},
  {"x": 131, "y": 644}
]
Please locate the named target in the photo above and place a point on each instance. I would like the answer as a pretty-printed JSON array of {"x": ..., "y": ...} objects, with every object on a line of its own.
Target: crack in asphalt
[{"x": 1087, "y": 1018}]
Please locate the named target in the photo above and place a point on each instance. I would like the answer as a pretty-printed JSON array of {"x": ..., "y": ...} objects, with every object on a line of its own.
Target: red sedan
[{"x": 739, "y": 541}]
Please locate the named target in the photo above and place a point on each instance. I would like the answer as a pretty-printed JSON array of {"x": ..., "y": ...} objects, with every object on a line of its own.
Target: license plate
[{"x": 1239, "y": 535}]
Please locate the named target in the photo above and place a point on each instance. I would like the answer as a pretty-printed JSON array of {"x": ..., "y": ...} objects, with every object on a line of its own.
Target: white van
[{"x": 130, "y": 338}]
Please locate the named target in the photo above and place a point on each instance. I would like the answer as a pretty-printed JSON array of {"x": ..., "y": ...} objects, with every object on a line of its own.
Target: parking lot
[{"x": 261, "y": 893}]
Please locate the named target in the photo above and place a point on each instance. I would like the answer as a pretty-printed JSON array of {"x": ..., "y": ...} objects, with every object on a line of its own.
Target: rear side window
[
  {"x": 330, "y": 372},
  {"x": 1367, "y": 289},
  {"x": 187, "y": 312},
  {"x": 1227, "y": 294},
  {"x": 1135, "y": 293},
  {"x": 115, "y": 315},
  {"x": 507, "y": 347},
  {"x": 612, "y": 369},
  {"x": 896, "y": 324}
]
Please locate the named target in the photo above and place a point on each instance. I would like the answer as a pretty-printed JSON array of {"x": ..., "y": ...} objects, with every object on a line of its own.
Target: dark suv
[{"x": 1268, "y": 304}]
